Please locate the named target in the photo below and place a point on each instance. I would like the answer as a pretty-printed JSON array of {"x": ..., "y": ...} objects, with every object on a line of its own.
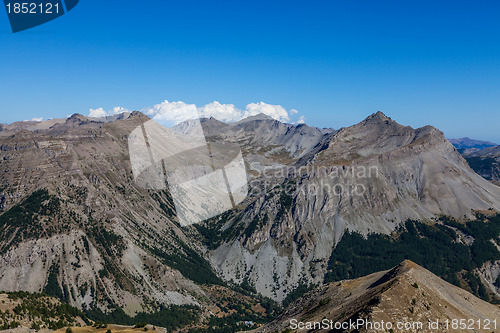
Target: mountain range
[
  {"x": 470, "y": 145},
  {"x": 75, "y": 224}
]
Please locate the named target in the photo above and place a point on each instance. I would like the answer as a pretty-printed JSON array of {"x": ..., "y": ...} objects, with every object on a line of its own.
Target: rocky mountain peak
[
  {"x": 137, "y": 114},
  {"x": 379, "y": 118},
  {"x": 76, "y": 118},
  {"x": 260, "y": 116},
  {"x": 378, "y": 115}
]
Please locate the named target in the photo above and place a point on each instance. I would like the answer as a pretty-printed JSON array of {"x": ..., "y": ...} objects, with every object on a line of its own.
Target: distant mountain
[
  {"x": 469, "y": 145},
  {"x": 259, "y": 132},
  {"x": 32, "y": 125},
  {"x": 407, "y": 293}
]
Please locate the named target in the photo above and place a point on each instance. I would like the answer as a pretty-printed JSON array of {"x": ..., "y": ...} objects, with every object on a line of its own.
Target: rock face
[
  {"x": 406, "y": 294},
  {"x": 73, "y": 219},
  {"x": 486, "y": 163},
  {"x": 72, "y": 213},
  {"x": 490, "y": 275},
  {"x": 367, "y": 178}
]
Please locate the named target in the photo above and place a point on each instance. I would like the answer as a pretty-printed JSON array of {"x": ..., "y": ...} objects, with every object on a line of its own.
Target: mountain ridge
[
  {"x": 406, "y": 293},
  {"x": 470, "y": 145}
]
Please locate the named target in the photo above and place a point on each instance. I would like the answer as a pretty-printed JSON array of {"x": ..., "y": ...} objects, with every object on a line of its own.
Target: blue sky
[{"x": 336, "y": 62}]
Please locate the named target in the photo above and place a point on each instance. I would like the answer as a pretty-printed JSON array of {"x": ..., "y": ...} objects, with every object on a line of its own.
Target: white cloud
[
  {"x": 301, "y": 120},
  {"x": 172, "y": 112},
  {"x": 223, "y": 112},
  {"x": 97, "y": 113},
  {"x": 118, "y": 110},
  {"x": 274, "y": 111},
  {"x": 100, "y": 112},
  {"x": 175, "y": 112},
  {"x": 34, "y": 119},
  {"x": 228, "y": 112}
]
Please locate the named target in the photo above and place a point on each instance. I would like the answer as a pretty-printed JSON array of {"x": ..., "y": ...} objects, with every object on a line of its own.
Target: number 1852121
[{"x": 32, "y": 8}]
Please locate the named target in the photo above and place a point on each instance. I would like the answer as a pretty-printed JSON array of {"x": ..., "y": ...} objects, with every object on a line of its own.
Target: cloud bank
[{"x": 176, "y": 112}]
